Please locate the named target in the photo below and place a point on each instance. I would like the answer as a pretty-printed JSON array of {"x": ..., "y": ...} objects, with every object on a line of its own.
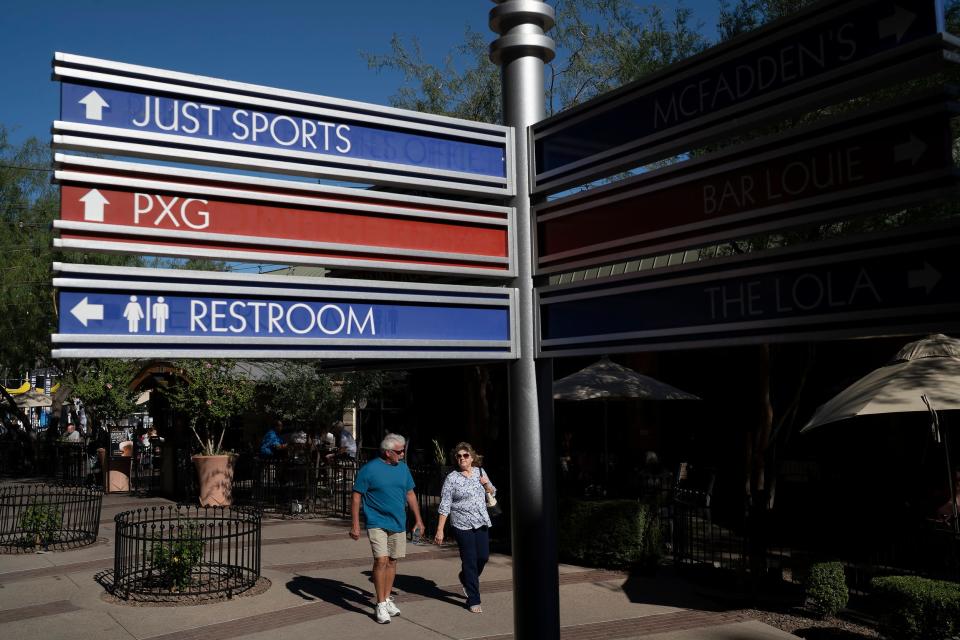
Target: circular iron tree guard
[
  {"x": 48, "y": 517},
  {"x": 174, "y": 552}
]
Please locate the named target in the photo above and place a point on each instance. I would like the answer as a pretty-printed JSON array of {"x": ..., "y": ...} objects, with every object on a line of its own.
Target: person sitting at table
[
  {"x": 949, "y": 509},
  {"x": 272, "y": 442},
  {"x": 72, "y": 435}
]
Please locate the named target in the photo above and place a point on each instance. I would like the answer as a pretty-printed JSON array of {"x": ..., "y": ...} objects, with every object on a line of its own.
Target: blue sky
[{"x": 304, "y": 45}]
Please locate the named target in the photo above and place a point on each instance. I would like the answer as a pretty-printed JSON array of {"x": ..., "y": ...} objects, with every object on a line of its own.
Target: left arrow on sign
[
  {"x": 84, "y": 311},
  {"x": 94, "y": 104},
  {"x": 93, "y": 202}
]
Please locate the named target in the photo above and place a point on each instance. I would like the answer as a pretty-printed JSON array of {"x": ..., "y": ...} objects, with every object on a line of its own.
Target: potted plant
[
  {"x": 209, "y": 393},
  {"x": 104, "y": 387}
]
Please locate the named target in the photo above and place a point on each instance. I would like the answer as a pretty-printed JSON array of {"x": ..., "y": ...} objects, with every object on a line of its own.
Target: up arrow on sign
[
  {"x": 93, "y": 203},
  {"x": 94, "y": 104},
  {"x": 84, "y": 311}
]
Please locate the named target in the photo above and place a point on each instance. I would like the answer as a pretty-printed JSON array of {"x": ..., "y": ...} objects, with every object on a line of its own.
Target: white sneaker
[
  {"x": 392, "y": 608},
  {"x": 383, "y": 616}
]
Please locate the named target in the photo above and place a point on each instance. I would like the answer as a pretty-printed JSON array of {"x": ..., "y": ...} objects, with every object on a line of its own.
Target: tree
[
  {"x": 601, "y": 45},
  {"x": 27, "y": 205},
  {"x": 299, "y": 394},
  {"x": 208, "y": 393},
  {"x": 104, "y": 387}
]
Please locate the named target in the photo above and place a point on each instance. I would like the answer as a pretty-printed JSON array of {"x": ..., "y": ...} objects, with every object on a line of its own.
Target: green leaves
[
  {"x": 208, "y": 393},
  {"x": 104, "y": 387}
]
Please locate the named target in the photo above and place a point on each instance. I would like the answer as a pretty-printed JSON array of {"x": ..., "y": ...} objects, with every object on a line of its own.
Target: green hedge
[
  {"x": 912, "y": 608},
  {"x": 827, "y": 591},
  {"x": 609, "y": 533}
]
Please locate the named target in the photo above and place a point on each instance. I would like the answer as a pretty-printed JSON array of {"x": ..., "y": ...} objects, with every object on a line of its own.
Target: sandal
[{"x": 475, "y": 609}]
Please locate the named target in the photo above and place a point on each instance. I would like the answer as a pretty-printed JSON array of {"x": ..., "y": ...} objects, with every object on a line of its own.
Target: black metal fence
[
  {"x": 145, "y": 470},
  {"x": 165, "y": 553},
  {"x": 68, "y": 463},
  {"x": 760, "y": 545},
  {"x": 324, "y": 488},
  {"x": 285, "y": 485},
  {"x": 51, "y": 517}
]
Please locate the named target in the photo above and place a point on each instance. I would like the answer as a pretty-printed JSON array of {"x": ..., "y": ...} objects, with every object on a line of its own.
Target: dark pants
[{"x": 474, "y": 547}]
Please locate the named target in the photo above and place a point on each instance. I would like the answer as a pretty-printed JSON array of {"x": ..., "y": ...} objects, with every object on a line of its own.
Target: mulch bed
[
  {"x": 176, "y": 600},
  {"x": 804, "y": 625}
]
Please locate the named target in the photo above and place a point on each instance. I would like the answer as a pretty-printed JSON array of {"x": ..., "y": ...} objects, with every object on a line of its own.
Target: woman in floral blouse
[{"x": 463, "y": 499}]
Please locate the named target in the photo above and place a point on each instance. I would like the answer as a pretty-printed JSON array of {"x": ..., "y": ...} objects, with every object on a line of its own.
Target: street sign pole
[{"x": 521, "y": 52}]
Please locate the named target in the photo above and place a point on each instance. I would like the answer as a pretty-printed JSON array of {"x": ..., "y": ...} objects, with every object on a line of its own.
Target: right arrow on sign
[
  {"x": 897, "y": 24},
  {"x": 928, "y": 277},
  {"x": 93, "y": 203},
  {"x": 910, "y": 150},
  {"x": 84, "y": 311},
  {"x": 94, "y": 104}
]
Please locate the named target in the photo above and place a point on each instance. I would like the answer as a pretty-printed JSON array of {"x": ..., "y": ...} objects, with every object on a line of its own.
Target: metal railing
[
  {"x": 286, "y": 485},
  {"x": 166, "y": 553},
  {"x": 69, "y": 463},
  {"x": 145, "y": 471},
  {"x": 52, "y": 517},
  {"x": 759, "y": 544}
]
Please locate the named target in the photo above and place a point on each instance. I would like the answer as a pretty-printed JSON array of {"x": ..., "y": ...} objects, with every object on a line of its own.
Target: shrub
[
  {"x": 175, "y": 558},
  {"x": 914, "y": 608},
  {"x": 827, "y": 589},
  {"x": 609, "y": 533},
  {"x": 41, "y": 523}
]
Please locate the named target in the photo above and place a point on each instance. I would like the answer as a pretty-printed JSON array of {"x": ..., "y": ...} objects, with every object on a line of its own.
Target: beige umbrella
[
  {"x": 928, "y": 367},
  {"x": 923, "y": 376},
  {"x": 32, "y": 399},
  {"x": 606, "y": 380}
]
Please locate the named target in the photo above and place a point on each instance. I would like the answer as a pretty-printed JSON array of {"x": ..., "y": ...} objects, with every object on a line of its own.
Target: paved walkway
[{"x": 321, "y": 589}]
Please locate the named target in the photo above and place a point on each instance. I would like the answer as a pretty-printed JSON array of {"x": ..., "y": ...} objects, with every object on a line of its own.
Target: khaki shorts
[{"x": 383, "y": 543}]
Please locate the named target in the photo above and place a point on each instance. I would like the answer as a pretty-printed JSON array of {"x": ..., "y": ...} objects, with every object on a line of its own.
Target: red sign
[
  {"x": 775, "y": 181},
  {"x": 152, "y": 217}
]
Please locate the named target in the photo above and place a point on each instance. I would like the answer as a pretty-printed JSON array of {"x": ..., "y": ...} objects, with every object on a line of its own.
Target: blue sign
[
  {"x": 262, "y": 129},
  {"x": 825, "y": 297},
  {"x": 150, "y": 314}
]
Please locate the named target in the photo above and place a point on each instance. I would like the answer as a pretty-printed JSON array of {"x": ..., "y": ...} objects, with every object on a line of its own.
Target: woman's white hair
[{"x": 391, "y": 440}]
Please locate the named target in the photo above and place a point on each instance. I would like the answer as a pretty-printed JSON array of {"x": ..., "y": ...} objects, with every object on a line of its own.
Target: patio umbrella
[
  {"x": 606, "y": 380},
  {"x": 924, "y": 376},
  {"x": 32, "y": 399}
]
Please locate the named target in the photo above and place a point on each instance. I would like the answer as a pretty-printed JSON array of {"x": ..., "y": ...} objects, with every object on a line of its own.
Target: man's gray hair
[{"x": 391, "y": 440}]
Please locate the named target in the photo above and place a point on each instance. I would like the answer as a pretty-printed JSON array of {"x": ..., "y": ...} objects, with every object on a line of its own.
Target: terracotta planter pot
[{"x": 215, "y": 477}]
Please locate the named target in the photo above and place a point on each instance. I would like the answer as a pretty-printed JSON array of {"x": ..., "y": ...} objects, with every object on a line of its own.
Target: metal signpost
[
  {"x": 134, "y": 312},
  {"x": 196, "y": 214},
  {"x": 834, "y": 48},
  {"x": 521, "y": 51},
  {"x": 115, "y": 108},
  {"x": 830, "y": 290}
]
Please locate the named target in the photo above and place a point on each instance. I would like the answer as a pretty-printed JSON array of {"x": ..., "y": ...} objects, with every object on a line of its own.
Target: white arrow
[
  {"x": 897, "y": 24},
  {"x": 94, "y": 104},
  {"x": 928, "y": 277},
  {"x": 93, "y": 203},
  {"x": 84, "y": 311},
  {"x": 910, "y": 150}
]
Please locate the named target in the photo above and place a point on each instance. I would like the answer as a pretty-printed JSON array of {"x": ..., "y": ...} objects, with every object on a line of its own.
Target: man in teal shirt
[{"x": 384, "y": 486}]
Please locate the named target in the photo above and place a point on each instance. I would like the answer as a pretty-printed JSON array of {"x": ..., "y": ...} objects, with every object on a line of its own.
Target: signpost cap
[{"x": 509, "y": 18}]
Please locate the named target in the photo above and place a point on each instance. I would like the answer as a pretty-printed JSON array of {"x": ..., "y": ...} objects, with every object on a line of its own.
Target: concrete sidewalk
[{"x": 321, "y": 589}]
